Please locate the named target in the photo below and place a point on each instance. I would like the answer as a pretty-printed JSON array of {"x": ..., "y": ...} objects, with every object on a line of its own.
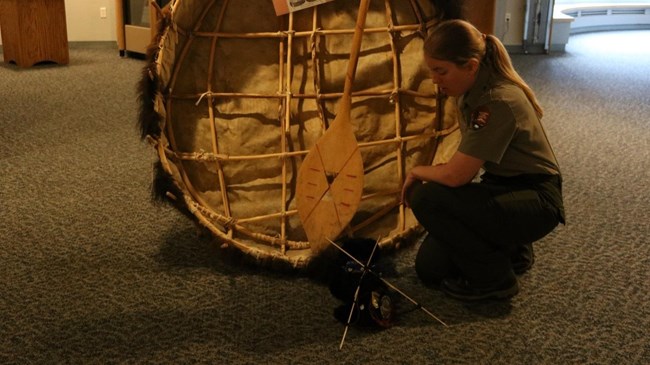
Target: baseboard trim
[{"x": 76, "y": 44}]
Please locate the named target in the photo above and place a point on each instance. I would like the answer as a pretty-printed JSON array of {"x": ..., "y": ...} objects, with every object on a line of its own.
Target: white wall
[
  {"x": 511, "y": 34},
  {"x": 85, "y": 25}
]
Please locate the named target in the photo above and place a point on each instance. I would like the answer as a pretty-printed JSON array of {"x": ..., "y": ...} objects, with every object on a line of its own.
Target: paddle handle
[{"x": 356, "y": 48}]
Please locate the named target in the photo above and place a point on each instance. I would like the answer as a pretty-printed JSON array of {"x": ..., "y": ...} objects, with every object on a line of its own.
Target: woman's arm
[{"x": 460, "y": 170}]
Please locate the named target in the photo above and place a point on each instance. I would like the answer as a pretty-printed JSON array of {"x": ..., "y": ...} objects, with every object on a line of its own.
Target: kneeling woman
[{"x": 480, "y": 233}]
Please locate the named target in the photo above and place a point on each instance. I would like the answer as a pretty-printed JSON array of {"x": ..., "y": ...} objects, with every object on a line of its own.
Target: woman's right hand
[{"x": 409, "y": 181}]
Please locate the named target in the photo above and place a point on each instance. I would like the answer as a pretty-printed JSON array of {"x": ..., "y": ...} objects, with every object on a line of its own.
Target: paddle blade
[{"x": 330, "y": 185}]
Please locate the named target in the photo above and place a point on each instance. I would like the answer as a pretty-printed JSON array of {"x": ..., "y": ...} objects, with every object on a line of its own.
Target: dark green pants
[{"x": 474, "y": 229}]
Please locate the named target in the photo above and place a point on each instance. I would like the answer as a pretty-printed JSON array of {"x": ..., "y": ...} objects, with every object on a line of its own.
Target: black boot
[
  {"x": 462, "y": 289},
  {"x": 522, "y": 258}
]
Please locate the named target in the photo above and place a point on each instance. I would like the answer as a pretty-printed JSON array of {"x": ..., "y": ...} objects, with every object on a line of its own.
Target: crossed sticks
[{"x": 366, "y": 269}]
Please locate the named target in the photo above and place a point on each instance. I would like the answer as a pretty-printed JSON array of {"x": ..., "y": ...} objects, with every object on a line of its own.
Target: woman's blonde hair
[{"x": 458, "y": 41}]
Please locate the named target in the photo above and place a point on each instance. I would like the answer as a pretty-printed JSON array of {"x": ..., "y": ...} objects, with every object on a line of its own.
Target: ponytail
[{"x": 497, "y": 57}]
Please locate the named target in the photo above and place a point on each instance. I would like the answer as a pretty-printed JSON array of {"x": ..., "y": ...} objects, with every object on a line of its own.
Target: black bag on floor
[{"x": 374, "y": 305}]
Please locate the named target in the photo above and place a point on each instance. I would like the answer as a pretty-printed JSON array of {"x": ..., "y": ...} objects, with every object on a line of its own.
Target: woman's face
[{"x": 453, "y": 80}]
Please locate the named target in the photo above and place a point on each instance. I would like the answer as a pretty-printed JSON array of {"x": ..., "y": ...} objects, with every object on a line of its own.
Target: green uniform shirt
[{"x": 501, "y": 127}]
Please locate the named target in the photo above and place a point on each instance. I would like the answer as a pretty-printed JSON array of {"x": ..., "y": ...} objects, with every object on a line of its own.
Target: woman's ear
[{"x": 472, "y": 65}]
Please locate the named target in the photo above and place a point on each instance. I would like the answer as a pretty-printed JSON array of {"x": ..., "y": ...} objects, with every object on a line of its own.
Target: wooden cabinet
[
  {"x": 34, "y": 31},
  {"x": 481, "y": 13}
]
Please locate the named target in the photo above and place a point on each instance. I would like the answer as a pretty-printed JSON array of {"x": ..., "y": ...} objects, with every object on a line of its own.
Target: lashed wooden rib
[
  {"x": 169, "y": 89},
  {"x": 206, "y": 156},
  {"x": 213, "y": 128},
  {"x": 397, "y": 83},
  {"x": 284, "y": 135}
]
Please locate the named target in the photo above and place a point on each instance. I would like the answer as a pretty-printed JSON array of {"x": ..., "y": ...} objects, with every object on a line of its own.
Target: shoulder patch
[{"x": 480, "y": 117}]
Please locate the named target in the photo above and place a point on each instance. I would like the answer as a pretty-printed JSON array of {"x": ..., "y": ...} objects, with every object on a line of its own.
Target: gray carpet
[{"x": 92, "y": 273}]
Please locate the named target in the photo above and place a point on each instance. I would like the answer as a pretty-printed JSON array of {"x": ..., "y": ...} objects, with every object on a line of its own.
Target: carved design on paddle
[{"x": 330, "y": 195}]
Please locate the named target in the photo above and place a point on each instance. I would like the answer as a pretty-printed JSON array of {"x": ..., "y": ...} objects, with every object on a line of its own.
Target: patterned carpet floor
[{"x": 92, "y": 273}]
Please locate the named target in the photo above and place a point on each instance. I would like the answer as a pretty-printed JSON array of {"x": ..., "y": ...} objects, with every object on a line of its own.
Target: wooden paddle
[{"x": 330, "y": 178}]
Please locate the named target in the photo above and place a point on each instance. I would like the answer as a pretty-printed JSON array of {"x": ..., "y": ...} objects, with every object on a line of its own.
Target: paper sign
[{"x": 285, "y": 6}]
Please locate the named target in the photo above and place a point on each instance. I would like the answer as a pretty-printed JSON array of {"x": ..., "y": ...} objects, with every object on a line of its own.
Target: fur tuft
[
  {"x": 149, "y": 121},
  {"x": 163, "y": 190}
]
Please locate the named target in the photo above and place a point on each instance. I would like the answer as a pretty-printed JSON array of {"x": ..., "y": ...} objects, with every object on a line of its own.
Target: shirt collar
[{"x": 481, "y": 85}]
